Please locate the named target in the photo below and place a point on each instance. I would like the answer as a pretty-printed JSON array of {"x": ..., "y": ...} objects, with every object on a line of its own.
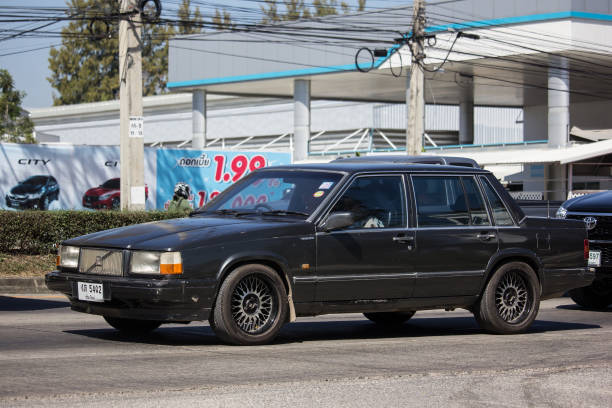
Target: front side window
[
  {"x": 375, "y": 201},
  {"x": 500, "y": 213},
  {"x": 440, "y": 201}
]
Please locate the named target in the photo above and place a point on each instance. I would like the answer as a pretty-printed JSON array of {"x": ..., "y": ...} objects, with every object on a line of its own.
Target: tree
[
  {"x": 222, "y": 21},
  {"x": 85, "y": 68},
  {"x": 297, "y": 9},
  {"x": 15, "y": 125}
]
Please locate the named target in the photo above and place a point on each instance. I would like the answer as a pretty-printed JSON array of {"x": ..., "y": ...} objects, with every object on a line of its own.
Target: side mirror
[{"x": 338, "y": 220}]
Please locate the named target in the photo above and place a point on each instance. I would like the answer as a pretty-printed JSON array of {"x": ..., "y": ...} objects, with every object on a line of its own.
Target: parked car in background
[
  {"x": 35, "y": 192},
  {"x": 596, "y": 212},
  {"x": 382, "y": 239},
  {"x": 106, "y": 196}
]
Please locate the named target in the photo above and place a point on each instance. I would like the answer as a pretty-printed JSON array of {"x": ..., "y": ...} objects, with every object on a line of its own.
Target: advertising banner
[
  {"x": 87, "y": 177},
  {"x": 65, "y": 177},
  {"x": 207, "y": 172}
]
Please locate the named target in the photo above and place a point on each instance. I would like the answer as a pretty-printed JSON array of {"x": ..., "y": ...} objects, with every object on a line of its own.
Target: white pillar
[
  {"x": 558, "y": 102},
  {"x": 558, "y": 123},
  {"x": 466, "y": 111},
  {"x": 198, "y": 118},
  {"x": 301, "y": 118}
]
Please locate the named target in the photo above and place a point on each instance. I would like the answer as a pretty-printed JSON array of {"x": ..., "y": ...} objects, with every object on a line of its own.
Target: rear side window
[
  {"x": 440, "y": 201},
  {"x": 500, "y": 213},
  {"x": 476, "y": 204}
]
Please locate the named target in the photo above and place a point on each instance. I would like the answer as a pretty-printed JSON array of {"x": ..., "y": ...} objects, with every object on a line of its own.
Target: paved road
[{"x": 50, "y": 356}]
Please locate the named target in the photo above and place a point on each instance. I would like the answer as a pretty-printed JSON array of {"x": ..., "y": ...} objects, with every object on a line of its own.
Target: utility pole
[
  {"x": 130, "y": 100},
  {"x": 416, "y": 109}
]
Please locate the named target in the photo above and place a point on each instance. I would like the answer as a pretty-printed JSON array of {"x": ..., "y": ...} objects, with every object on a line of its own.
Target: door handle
[
  {"x": 485, "y": 236},
  {"x": 404, "y": 239}
]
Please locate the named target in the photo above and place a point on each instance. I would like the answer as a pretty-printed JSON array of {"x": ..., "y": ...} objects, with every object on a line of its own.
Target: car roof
[{"x": 365, "y": 166}]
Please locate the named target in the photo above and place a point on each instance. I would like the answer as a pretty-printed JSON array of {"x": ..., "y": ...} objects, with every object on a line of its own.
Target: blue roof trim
[
  {"x": 380, "y": 61},
  {"x": 520, "y": 19}
]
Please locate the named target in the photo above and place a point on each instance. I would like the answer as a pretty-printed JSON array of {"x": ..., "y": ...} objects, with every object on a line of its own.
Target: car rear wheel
[
  {"x": 251, "y": 306},
  {"x": 596, "y": 296},
  {"x": 133, "y": 327},
  {"x": 510, "y": 301},
  {"x": 389, "y": 319}
]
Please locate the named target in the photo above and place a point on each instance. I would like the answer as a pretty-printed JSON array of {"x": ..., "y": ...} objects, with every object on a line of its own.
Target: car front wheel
[
  {"x": 251, "y": 306},
  {"x": 510, "y": 301},
  {"x": 596, "y": 296}
]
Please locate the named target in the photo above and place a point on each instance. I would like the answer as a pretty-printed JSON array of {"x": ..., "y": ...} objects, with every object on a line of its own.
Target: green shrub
[{"x": 39, "y": 232}]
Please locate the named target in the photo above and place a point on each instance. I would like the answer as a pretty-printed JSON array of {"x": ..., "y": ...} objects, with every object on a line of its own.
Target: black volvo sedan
[{"x": 382, "y": 239}]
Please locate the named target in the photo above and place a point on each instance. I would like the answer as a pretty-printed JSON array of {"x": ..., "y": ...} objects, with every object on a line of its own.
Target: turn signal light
[
  {"x": 171, "y": 263},
  {"x": 586, "y": 249},
  {"x": 57, "y": 260}
]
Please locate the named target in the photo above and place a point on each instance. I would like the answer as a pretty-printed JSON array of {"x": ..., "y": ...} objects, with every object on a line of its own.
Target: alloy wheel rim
[
  {"x": 253, "y": 305},
  {"x": 512, "y": 298}
]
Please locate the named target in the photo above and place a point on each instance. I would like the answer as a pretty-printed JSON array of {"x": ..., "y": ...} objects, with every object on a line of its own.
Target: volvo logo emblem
[{"x": 590, "y": 222}]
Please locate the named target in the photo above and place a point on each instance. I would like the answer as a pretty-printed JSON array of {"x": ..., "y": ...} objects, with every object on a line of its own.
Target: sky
[{"x": 30, "y": 69}]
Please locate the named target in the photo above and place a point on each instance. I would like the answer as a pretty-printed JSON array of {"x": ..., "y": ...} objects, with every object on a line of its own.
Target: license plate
[
  {"x": 91, "y": 292},
  {"x": 594, "y": 258}
]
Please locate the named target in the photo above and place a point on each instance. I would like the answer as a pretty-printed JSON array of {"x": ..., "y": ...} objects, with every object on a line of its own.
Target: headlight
[
  {"x": 105, "y": 196},
  {"x": 68, "y": 256},
  {"x": 561, "y": 212},
  {"x": 157, "y": 263}
]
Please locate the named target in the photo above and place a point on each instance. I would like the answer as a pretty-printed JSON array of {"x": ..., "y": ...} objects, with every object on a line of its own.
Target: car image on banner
[
  {"x": 106, "y": 196},
  {"x": 35, "y": 192}
]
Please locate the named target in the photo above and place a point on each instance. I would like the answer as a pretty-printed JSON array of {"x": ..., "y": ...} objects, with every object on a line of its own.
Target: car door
[
  {"x": 455, "y": 237},
  {"x": 373, "y": 258}
]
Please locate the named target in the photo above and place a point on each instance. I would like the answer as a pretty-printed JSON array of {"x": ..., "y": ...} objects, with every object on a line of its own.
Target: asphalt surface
[{"x": 51, "y": 356}]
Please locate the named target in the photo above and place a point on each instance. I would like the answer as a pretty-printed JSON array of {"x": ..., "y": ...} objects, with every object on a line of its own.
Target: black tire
[
  {"x": 43, "y": 203},
  {"x": 133, "y": 327},
  {"x": 510, "y": 301},
  {"x": 115, "y": 204},
  {"x": 389, "y": 319},
  {"x": 596, "y": 296},
  {"x": 251, "y": 306}
]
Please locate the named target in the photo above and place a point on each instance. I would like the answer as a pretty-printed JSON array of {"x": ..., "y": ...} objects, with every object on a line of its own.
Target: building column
[
  {"x": 198, "y": 118},
  {"x": 466, "y": 110},
  {"x": 558, "y": 123},
  {"x": 301, "y": 118}
]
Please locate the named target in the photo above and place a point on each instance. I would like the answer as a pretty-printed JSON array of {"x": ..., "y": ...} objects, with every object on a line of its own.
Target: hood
[
  {"x": 26, "y": 189},
  {"x": 178, "y": 233},
  {"x": 98, "y": 191},
  {"x": 593, "y": 203}
]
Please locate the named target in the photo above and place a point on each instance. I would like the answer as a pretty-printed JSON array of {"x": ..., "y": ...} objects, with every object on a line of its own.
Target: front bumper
[
  {"x": 94, "y": 203},
  {"x": 167, "y": 300},
  {"x": 20, "y": 203}
]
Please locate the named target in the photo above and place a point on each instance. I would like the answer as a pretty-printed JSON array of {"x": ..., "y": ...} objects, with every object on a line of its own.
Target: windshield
[
  {"x": 282, "y": 192},
  {"x": 112, "y": 184},
  {"x": 36, "y": 180}
]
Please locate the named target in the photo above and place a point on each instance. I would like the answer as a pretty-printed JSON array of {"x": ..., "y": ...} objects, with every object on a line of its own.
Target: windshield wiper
[
  {"x": 235, "y": 213},
  {"x": 284, "y": 212}
]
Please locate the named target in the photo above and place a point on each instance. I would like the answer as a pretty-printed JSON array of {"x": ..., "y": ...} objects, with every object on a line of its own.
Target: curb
[{"x": 24, "y": 285}]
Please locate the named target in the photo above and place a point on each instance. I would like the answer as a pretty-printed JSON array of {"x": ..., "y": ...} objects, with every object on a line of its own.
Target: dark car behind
[{"x": 596, "y": 212}]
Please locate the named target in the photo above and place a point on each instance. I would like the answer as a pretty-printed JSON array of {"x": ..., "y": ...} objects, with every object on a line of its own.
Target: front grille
[
  {"x": 101, "y": 262},
  {"x": 603, "y": 229},
  {"x": 91, "y": 199}
]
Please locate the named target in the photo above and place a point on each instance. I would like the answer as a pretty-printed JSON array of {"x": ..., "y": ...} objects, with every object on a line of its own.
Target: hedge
[{"x": 39, "y": 232}]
